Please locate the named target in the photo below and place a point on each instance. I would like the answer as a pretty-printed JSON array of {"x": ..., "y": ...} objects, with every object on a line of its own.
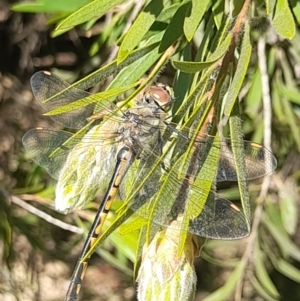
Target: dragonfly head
[{"x": 161, "y": 95}]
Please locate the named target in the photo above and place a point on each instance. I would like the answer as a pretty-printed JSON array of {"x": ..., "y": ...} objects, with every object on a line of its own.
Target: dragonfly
[{"x": 121, "y": 151}]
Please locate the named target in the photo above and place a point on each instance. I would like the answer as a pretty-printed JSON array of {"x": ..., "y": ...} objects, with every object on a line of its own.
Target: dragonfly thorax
[
  {"x": 138, "y": 127},
  {"x": 142, "y": 123}
]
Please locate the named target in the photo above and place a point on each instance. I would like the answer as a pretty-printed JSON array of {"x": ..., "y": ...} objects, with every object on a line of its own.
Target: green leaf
[
  {"x": 291, "y": 119},
  {"x": 285, "y": 268},
  {"x": 98, "y": 97},
  {"x": 261, "y": 290},
  {"x": 136, "y": 223},
  {"x": 112, "y": 68},
  {"x": 94, "y": 9},
  {"x": 295, "y": 4},
  {"x": 288, "y": 196},
  {"x": 139, "y": 28},
  {"x": 168, "y": 12},
  {"x": 49, "y": 6},
  {"x": 276, "y": 99},
  {"x": 218, "y": 12},
  {"x": 136, "y": 70},
  {"x": 265, "y": 282},
  {"x": 182, "y": 79},
  {"x": 254, "y": 96},
  {"x": 115, "y": 261},
  {"x": 241, "y": 70},
  {"x": 287, "y": 247},
  {"x": 193, "y": 18},
  {"x": 240, "y": 162},
  {"x": 282, "y": 20},
  {"x": 193, "y": 67},
  {"x": 175, "y": 28},
  {"x": 291, "y": 93}
]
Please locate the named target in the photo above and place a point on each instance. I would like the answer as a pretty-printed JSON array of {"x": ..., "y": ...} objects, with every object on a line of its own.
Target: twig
[{"x": 45, "y": 216}]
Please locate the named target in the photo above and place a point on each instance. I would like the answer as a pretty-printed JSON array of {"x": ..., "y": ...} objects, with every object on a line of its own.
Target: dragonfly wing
[
  {"x": 259, "y": 161},
  {"x": 215, "y": 217},
  {"x": 52, "y": 92},
  {"x": 39, "y": 143},
  {"x": 220, "y": 219},
  {"x": 177, "y": 195},
  {"x": 82, "y": 165}
]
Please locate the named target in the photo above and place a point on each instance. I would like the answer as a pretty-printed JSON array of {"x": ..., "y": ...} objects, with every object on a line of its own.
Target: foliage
[{"x": 217, "y": 49}]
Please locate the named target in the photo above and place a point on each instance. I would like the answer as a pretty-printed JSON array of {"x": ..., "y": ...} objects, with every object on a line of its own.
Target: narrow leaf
[
  {"x": 96, "y": 8},
  {"x": 287, "y": 247},
  {"x": 242, "y": 65},
  {"x": 288, "y": 197},
  {"x": 282, "y": 20},
  {"x": 295, "y": 5},
  {"x": 254, "y": 96},
  {"x": 193, "y": 67},
  {"x": 261, "y": 290},
  {"x": 285, "y": 268},
  {"x": 291, "y": 119},
  {"x": 266, "y": 283},
  {"x": 193, "y": 18},
  {"x": 89, "y": 100},
  {"x": 240, "y": 162},
  {"x": 218, "y": 11},
  {"x": 168, "y": 12},
  {"x": 139, "y": 28},
  {"x": 175, "y": 28},
  {"x": 93, "y": 78},
  {"x": 49, "y": 6}
]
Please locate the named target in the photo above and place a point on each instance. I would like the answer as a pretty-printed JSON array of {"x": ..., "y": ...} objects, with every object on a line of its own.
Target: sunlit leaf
[
  {"x": 240, "y": 162},
  {"x": 49, "y": 6},
  {"x": 282, "y": 19},
  {"x": 168, "y": 12},
  {"x": 241, "y": 69},
  {"x": 139, "y": 28},
  {"x": 89, "y": 100},
  {"x": 91, "y": 10},
  {"x": 193, "y": 18},
  {"x": 192, "y": 67}
]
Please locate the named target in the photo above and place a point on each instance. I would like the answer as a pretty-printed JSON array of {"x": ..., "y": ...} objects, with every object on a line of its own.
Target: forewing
[
  {"x": 52, "y": 92},
  {"x": 259, "y": 161},
  {"x": 39, "y": 143}
]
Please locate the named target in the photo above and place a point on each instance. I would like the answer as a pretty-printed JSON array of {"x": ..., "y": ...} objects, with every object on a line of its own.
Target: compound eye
[{"x": 160, "y": 95}]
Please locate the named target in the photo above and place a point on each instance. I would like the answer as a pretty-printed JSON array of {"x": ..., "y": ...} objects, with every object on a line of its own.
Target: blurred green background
[{"x": 39, "y": 247}]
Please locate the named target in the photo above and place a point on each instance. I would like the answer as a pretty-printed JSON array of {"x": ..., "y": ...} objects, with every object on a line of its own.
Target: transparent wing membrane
[
  {"x": 162, "y": 197},
  {"x": 52, "y": 92}
]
